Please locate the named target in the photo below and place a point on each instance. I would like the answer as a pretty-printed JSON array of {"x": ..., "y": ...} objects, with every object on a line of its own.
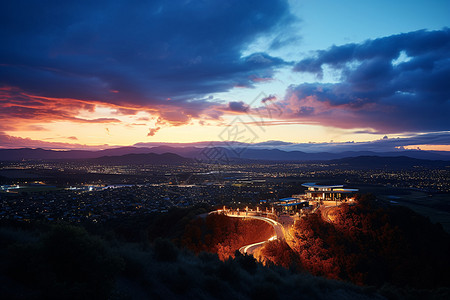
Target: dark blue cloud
[
  {"x": 397, "y": 83},
  {"x": 415, "y": 44},
  {"x": 386, "y": 144},
  {"x": 238, "y": 106},
  {"x": 148, "y": 51}
]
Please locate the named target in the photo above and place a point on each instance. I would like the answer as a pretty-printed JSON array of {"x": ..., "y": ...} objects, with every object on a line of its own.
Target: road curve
[
  {"x": 279, "y": 230},
  {"x": 325, "y": 211},
  {"x": 249, "y": 249}
]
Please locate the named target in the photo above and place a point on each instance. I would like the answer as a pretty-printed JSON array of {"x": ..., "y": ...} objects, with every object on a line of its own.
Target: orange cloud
[
  {"x": 428, "y": 147},
  {"x": 19, "y": 109},
  {"x": 8, "y": 141},
  {"x": 153, "y": 131}
]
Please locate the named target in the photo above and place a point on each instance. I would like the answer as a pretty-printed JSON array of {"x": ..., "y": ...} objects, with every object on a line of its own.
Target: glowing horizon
[{"x": 279, "y": 72}]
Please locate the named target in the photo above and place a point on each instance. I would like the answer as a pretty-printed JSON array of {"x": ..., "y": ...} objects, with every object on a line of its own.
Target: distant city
[{"x": 78, "y": 191}]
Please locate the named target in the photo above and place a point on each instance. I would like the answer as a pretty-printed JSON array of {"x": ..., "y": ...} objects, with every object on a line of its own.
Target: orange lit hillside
[
  {"x": 224, "y": 235},
  {"x": 368, "y": 244}
]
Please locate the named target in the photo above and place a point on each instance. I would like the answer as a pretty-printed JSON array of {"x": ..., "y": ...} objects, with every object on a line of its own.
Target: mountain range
[
  {"x": 141, "y": 159},
  {"x": 387, "y": 162},
  {"x": 211, "y": 154}
]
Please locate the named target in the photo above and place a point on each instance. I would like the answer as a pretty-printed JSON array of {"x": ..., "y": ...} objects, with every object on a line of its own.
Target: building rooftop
[
  {"x": 314, "y": 185},
  {"x": 292, "y": 204},
  {"x": 345, "y": 190},
  {"x": 288, "y": 199}
]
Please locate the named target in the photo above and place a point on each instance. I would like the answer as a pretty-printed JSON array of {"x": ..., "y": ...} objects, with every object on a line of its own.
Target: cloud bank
[
  {"x": 398, "y": 83},
  {"x": 164, "y": 56}
]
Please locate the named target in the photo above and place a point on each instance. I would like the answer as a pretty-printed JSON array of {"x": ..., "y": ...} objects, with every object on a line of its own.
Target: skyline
[{"x": 105, "y": 74}]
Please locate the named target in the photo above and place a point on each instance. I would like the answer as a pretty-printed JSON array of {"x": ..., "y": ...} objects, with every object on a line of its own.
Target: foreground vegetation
[
  {"x": 369, "y": 244},
  {"x": 127, "y": 258},
  {"x": 66, "y": 262}
]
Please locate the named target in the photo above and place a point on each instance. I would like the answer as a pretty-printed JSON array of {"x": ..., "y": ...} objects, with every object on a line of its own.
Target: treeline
[
  {"x": 147, "y": 227},
  {"x": 224, "y": 235},
  {"x": 370, "y": 244},
  {"x": 100, "y": 261},
  {"x": 68, "y": 262}
]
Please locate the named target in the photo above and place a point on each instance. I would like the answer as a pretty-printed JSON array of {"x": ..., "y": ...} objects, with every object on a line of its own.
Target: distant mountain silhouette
[
  {"x": 275, "y": 154},
  {"x": 377, "y": 162},
  {"x": 280, "y": 155},
  {"x": 211, "y": 154},
  {"x": 122, "y": 151},
  {"x": 41, "y": 154},
  {"x": 141, "y": 159}
]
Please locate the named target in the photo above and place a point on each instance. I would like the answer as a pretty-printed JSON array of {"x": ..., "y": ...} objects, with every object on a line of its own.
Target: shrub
[{"x": 164, "y": 250}]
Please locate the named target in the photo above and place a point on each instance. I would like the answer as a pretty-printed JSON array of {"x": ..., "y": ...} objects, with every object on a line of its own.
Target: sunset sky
[{"x": 313, "y": 75}]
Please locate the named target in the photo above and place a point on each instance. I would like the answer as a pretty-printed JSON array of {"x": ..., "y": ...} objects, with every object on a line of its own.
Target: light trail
[{"x": 278, "y": 228}]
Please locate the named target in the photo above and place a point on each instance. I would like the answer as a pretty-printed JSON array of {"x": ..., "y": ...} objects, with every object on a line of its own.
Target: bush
[
  {"x": 246, "y": 262},
  {"x": 164, "y": 250},
  {"x": 369, "y": 244},
  {"x": 66, "y": 263}
]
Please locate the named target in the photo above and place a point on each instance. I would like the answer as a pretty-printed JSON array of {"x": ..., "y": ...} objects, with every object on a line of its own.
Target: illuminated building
[
  {"x": 315, "y": 193},
  {"x": 327, "y": 192}
]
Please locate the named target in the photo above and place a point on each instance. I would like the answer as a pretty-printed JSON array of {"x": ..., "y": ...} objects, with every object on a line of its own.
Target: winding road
[
  {"x": 249, "y": 249},
  {"x": 325, "y": 211},
  {"x": 279, "y": 229}
]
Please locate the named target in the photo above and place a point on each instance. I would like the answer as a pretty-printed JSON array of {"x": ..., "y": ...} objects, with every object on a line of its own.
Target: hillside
[
  {"x": 42, "y": 154},
  {"x": 55, "y": 262},
  {"x": 135, "y": 261},
  {"x": 396, "y": 162},
  {"x": 198, "y": 153},
  {"x": 223, "y": 235},
  {"x": 141, "y": 159},
  {"x": 369, "y": 244}
]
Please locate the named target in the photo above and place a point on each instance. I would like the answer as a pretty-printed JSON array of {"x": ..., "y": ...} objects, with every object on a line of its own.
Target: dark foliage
[
  {"x": 279, "y": 253},
  {"x": 65, "y": 263},
  {"x": 144, "y": 228},
  {"x": 369, "y": 244},
  {"x": 164, "y": 250}
]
